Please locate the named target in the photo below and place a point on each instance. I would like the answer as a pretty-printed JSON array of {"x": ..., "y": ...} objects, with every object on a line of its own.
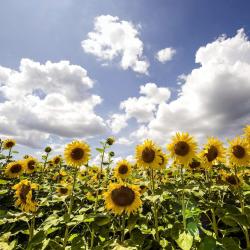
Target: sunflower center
[
  {"x": 9, "y": 144},
  {"x": 194, "y": 164},
  {"x": 148, "y": 155},
  {"x": 123, "y": 196},
  {"x": 181, "y": 148},
  {"x": 31, "y": 165},
  {"x": 57, "y": 160},
  {"x": 232, "y": 179},
  {"x": 63, "y": 190},
  {"x": 16, "y": 168},
  {"x": 123, "y": 169},
  {"x": 212, "y": 153},
  {"x": 238, "y": 151},
  {"x": 24, "y": 191},
  {"x": 77, "y": 153}
]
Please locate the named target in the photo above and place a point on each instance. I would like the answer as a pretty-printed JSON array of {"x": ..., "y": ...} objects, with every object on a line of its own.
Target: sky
[{"x": 89, "y": 69}]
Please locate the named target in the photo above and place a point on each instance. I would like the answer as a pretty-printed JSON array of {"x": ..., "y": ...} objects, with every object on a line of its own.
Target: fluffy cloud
[
  {"x": 113, "y": 38},
  {"x": 142, "y": 108},
  {"x": 165, "y": 55},
  {"x": 214, "y": 99},
  {"x": 47, "y": 99}
]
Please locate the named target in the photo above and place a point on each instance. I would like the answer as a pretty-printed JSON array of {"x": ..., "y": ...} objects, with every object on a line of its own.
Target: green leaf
[
  {"x": 185, "y": 241},
  {"x": 3, "y": 181},
  {"x": 192, "y": 228},
  {"x": 137, "y": 237},
  {"x": 230, "y": 244},
  {"x": 132, "y": 221},
  {"x": 37, "y": 239},
  {"x": 55, "y": 245},
  {"x": 100, "y": 150},
  {"x": 208, "y": 243},
  {"x": 77, "y": 243},
  {"x": 102, "y": 220}
]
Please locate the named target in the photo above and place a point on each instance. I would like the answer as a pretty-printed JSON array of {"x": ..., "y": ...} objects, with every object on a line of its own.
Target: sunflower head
[
  {"x": 57, "y": 159},
  {"x": 213, "y": 152},
  {"x": 30, "y": 164},
  {"x": 15, "y": 169},
  {"x": 122, "y": 169},
  {"x": 9, "y": 143},
  {"x": 182, "y": 148},
  {"x": 24, "y": 196},
  {"x": 195, "y": 165},
  {"x": 122, "y": 198},
  {"x": 110, "y": 140},
  {"x": 47, "y": 149},
  {"x": 59, "y": 177},
  {"x": 239, "y": 152},
  {"x": 77, "y": 153},
  {"x": 147, "y": 155},
  {"x": 231, "y": 179},
  {"x": 164, "y": 159},
  {"x": 64, "y": 190}
]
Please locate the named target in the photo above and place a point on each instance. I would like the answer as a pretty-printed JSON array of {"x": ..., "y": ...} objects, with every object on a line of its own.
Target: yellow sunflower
[
  {"x": 195, "y": 165},
  {"x": 239, "y": 152},
  {"x": 231, "y": 179},
  {"x": 57, "y": 159},
  {"x": 122, "y": 169},
  {"x": 164, "y": 160},
  {"x": 30, "y": 164},
  {"x": 64, "y": 190},
  {"x": 147, "y": 155},
  {"x": 9, "y": 143},
  {"x": 82, "y": 174},
  {"x": 77, "y": 153},
  {"x": 14, "y": 169},
  {"x": 122, "y": 198},
  {"x": 213, "y": 152},
  {"x": 247, "y": 133},
  {"x": 182, "y": 148},
  {"x": 24, "y": 196},
  {"x": 59, "y": 177}
]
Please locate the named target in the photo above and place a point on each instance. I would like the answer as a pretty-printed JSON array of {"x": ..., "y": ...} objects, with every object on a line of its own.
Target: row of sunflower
[{"x": 184, "y": 198}]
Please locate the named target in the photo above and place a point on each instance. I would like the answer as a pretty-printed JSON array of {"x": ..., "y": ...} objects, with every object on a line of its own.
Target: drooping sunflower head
[
  {"x": 9, "y": 143},
  {"x": 182, "y": 148},
  {"x": 122, "y": 198},
  {"x": 77, "y": 153},
  {"x": 213, "y": 152},
  {"x": 64, "y": 190},
  {"x": 195, "y": 165},
  {"x": 122, "y": 169},
  {"x": 147, "y": 155},
  {"x": 239, "y": 152},
  {"x": 57, "y": 159},
  {"x": 164, "y": 159},
  {"x": 247, "y": 133},
  {"x": 231, "y": 179},
  {"x": 24, "y": 196},
  {"x": 15, "y": 169},
  {"x": 30, "y": 164}
]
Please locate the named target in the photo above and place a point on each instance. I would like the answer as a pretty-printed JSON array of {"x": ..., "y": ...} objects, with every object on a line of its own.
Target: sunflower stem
[
  {"x": 123, "y": 227},
  {"x": 154, "y": 206},
  {"x": 70, "y": 210},
  {"x": 32, "y": 228},
  {"x": 183, "y": 206}
]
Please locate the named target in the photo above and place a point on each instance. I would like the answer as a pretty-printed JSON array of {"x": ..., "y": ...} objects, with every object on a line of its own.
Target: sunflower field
[{"x": 179, "y": 197}]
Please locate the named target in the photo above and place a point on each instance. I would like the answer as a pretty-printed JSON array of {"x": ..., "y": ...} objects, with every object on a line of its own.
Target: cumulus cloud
[
  {"x": 214, "y": 99},
  {"x": 114, "y": 38},
  {"x": 142, "y": 108},
  {"x": 39, "y": 100},
  {"x": 165, "y": 55}
]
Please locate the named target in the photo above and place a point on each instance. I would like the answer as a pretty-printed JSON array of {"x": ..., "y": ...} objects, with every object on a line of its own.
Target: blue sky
[{"x": 53, "y": 31}]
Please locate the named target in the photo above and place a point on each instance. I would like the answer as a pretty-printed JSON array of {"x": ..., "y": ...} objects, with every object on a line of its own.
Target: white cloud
[
  {"x": 215, "y": 98},
  {"x": 165, "y": 55},
  {"x": 113, "y": 38},
  {"x": 124, "y": 141},
  {"x": 142, "y": 108},
  {"x": 47, "y": 99}
]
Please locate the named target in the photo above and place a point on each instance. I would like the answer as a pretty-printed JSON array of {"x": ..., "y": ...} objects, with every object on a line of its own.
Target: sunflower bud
[
  {"x": 111, "y": 154},
  {"x": 110, "y": 141},
  {"x": 47, "y": 149}
]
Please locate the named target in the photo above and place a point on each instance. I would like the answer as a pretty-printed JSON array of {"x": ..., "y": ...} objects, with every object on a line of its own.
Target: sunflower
[
  {"x": 122, "y": 198},
  {"x": 57, "y": 159},
  {"x": 195, "y": 165},
  {"x": 164, "y": 160},
  {"x": 213, "y": 152},
  {"x": 122, "y": 169},
  {"x": 82, "y": 174},
  {"x": 247, "y": 133},
  {"x": 231, "y": 179},
  {"x": 24, "y": 196},
  {"x": 147, "y": 155},
  {"x": 182, "y": 148},
  {"x": 77, "y": 153},
  {"x": 239, "y": 152},
  {"x": 9, "y": 143},
  {"x": 14, "y": 169},
  {"x": 64, "y": 190},
  {"x": 30, "y": 164},
  {"x": 59, "y": 177}
]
